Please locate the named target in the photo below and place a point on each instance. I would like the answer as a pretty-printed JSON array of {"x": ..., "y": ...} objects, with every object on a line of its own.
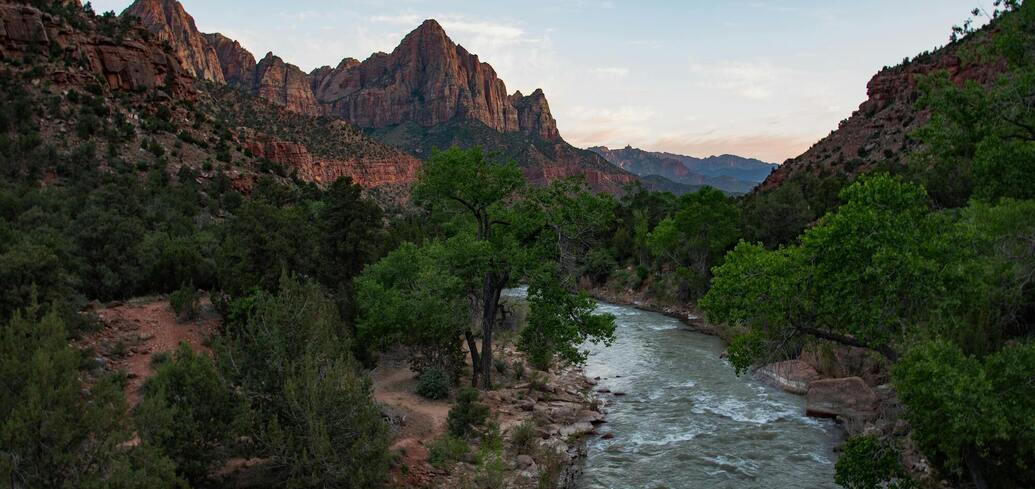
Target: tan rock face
[
  {"x": 792, "y": 375},
  {"x": 429, "y": 80},
  {"x": 131, "y": 65},
  {"x": 848, "y": 398},
  {"x": 236, "y": 63},
  {"x": 170, "y": 22},
  {"x": 286, "y": 85},
  {"x": 365, "y": 171}
]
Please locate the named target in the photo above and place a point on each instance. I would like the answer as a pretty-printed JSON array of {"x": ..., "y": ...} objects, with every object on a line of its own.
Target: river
[{"x": 687, "y": 421}]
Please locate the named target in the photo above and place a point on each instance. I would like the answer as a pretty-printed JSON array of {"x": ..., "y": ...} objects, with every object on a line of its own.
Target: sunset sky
[{"x": 763, "y": 79}]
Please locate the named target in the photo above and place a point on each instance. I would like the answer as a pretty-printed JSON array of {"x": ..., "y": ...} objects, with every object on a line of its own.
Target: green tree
[
  {"x": 972, "y": 413},
  {"x": 694, "y": 239},
  {"x": 349, "y": 233},
  {"x": 54, "y": 431},
  {"x": 289, "y": 355},
  {"x": 559, "y": 322},
  {"x": 412, "y": 297},
  {"x": 331, "y": 434},
  {"x": 980, "y": 140},
  {"x": 466, "y": 185},
  {"x": 868, "y": 463},
  {"x": 189, "y": 412},
  {"x": 777, "y": 216},
  {"x": 881, "y": 265}
]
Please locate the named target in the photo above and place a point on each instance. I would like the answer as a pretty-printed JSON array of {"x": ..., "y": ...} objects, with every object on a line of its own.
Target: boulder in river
[
  {"x": 792, "y": 375},
  {"x": 848, "y": 398}
]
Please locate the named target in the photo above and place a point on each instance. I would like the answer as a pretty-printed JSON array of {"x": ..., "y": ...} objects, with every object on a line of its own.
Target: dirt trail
[
  {"x": 135, "y": 330},
  {"x": 422, "y": 420}
]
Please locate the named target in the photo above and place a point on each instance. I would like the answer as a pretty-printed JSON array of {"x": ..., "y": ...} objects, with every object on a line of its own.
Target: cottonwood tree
[
  {"x": 480, "y": 193},
  {"x": 500, "y": 233}
]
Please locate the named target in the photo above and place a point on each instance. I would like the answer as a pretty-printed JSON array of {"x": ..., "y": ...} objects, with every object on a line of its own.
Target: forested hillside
[{"x": 323, "y": 258}]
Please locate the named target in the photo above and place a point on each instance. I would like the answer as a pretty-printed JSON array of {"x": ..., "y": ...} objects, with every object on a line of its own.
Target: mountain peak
[
  {"x": 170, "y": 22},
  {"x": 431, "y": 25}
]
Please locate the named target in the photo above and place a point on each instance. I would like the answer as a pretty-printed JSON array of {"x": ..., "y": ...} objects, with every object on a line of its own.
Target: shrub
[
  {"x": 185, "y": 303},
  {"x": 434, "y": 383},
  {"x": 448, "y": 450},
  {"x": 57, "y": 432},
  {"x": 868, "y": 463},
  {"x": 518, "y": 369},
  {"x": 501, "y": 366},
  {"x": 523, "y": 438},
  {"x": 467, "y": 414},
  {"x": 189, "y": 412}
]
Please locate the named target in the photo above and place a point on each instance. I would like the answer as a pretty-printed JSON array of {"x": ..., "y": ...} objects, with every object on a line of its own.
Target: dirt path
[
  {"x": 422, "y": 420},
  {"x": 136, "y": 330}
]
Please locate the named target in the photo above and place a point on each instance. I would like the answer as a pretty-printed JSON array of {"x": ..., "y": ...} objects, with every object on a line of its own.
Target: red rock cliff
[
  {"x": 132, "y": 64},
  {"x": 429, "y": 80},
  {"x": 170, "y": 22},
  {"x": 237, "y": 64},
  {"x": 286, "y": 85},
  {"x": 367, "y": 171}
]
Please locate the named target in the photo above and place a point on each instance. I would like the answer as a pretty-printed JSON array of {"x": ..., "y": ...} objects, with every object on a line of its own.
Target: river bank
[{"x": 534, "y": 437}]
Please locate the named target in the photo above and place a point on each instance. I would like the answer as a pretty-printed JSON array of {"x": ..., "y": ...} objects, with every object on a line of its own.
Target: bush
[
  {"x": 189, "y": 412},
  {"x": 518, "y": 369},
  {"x": 448, "y": 450},
  {"x": 868, "y": 463},
  {"x": 57, "y": 432},
  {"x": 185, "y": 303},
  {"x": 467, "y": 414},
  {"x": 523, "y": 438},
  {"x": 434, "y": 383}
]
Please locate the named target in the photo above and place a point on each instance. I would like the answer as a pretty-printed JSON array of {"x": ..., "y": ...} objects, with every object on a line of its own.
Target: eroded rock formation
[
  {"x": 368, "y": 171},
  {"x": 236, "y": 62},
  {"x": 285, "y": 84},
  {"x": 429, "y": 80},
  {"x": 171, "y": 23},
  {"x": 132, "y": 64}
]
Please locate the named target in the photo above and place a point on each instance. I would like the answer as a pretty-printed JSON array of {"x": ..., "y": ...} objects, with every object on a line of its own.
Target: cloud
[
  {"x": 611, "y": 72},
  {"x": 750, "y": 80},
  {"x": 458, "y": 24},
  {"x": 765, "y": 146}
]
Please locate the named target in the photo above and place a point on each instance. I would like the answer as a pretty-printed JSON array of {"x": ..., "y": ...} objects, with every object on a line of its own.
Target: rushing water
[{"x": 687, "y": 421}]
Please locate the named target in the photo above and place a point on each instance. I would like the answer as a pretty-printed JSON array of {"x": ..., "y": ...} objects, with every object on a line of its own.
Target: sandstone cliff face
[
  {"x": 170, "y": 22},
  {"x": 286, "y": 85},
  {"x": 132, "y": 64},
  {"x": 236, "y": 63},
  {"x": 429, "y": 80},
  {"x": 879, "y": 130},
  {"x": 374, "y": 171}
]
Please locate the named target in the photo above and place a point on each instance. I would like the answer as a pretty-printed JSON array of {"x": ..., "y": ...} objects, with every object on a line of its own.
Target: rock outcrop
[
  {"x": 132, "y": 64},
  {"x": 847, "y": 398},
  {"x": 369, "y": 172},
  {"x": 430, "y": 80},
  {"x": 236, "y": 62},
  {"x": 792, "y": 376},
  {"x": 171, "y": 23},
  {"x": 285, "y": 84}
]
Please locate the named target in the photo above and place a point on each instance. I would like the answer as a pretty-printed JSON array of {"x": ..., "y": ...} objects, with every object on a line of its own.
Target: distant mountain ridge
[
  {"x": 730, "y": 173},
  {"x": 427, "y": 93}
]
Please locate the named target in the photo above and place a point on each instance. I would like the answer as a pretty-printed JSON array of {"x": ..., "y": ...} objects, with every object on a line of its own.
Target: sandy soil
[{"x": 136, "y": 330}]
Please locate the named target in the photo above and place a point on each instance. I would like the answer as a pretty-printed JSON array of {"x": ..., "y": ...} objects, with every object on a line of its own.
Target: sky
[{"x": 763, "y": 79}]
